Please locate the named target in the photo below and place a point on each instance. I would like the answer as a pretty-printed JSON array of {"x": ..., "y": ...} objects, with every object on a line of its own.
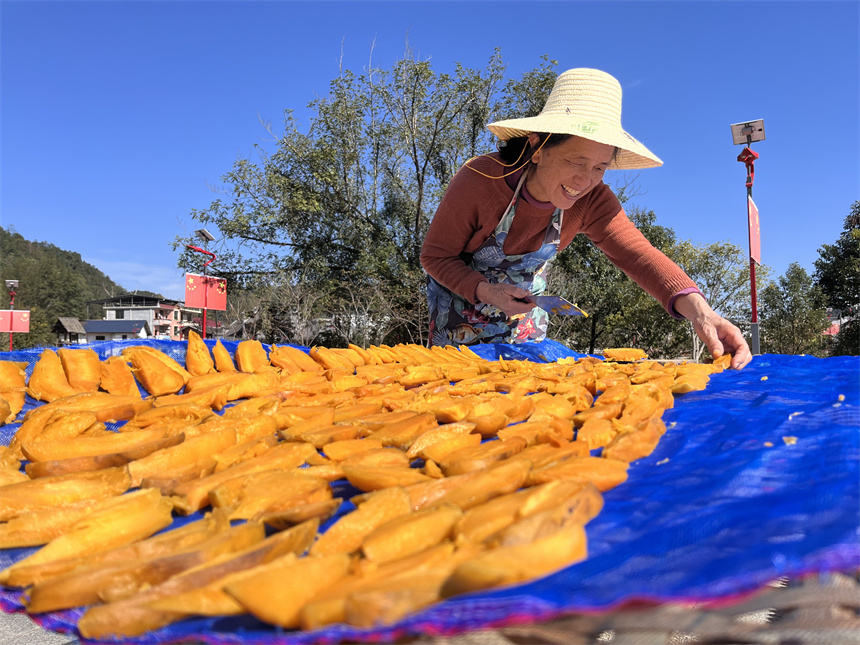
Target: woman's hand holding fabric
[{"x": 509, "y": 299}]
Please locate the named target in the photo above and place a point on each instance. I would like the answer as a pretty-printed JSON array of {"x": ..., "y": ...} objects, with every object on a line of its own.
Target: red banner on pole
[
  {"x": 204, "y": 292},
  {"x": 755, "y": 231},
  {"x": 216, "y": 293},
  {"x": 16, "y": 321},
  {"x": 195, "y": 291}
]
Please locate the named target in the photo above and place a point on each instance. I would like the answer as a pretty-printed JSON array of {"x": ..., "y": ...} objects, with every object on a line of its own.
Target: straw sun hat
[{"x": 585, "y": 103}]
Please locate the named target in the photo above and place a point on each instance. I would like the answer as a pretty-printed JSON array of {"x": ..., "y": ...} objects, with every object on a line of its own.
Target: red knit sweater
[{"x": 473, "y": 205}]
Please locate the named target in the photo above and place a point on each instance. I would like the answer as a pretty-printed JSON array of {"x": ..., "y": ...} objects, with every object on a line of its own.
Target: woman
[{"x": 505, "y": 216}]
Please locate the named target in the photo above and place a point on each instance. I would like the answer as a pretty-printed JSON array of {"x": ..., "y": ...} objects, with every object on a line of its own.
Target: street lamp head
[
  {"x": 205, "y": 235},
  {"x": 11, "y": 284},
  {"x": 745, "y": 133}
]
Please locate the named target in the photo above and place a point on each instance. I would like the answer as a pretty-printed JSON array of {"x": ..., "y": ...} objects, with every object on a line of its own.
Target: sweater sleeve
[
  {"x": 467, "y": 215},
  {"x": 630, "y": 251}
]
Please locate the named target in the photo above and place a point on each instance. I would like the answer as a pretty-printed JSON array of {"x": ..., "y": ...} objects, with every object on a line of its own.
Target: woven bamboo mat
[{"x": 821, "y": 610}]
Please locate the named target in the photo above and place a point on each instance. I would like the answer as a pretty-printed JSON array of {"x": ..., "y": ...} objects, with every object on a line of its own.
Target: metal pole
[
  {"x": 205, "y": 304},
  {"x": 751, "y": 131},
  {"x": 205, "y": 298},
  {"x": 754, "y": 331},
  {"x": 12, "y": 295}
]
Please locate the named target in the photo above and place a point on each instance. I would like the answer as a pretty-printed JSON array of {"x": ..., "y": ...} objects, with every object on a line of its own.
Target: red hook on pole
[
  {"x": 208, "y": 262},
  {"x": 748, "y": 158}
]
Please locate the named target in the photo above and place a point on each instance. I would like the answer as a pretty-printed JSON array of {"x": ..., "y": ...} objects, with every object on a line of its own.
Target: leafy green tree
[
  {"x": 837, "y": 274},
  {"x": 837, "y": 270},
  {"x": 721, "y": 271},
  {"x": 526, "y": 96},
  {"x": 347, "y": 204},
  {"x": 793, "y": 315}
]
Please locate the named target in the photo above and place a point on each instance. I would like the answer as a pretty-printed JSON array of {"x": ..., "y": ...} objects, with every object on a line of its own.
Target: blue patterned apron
[{"x": 455, "y": 321}]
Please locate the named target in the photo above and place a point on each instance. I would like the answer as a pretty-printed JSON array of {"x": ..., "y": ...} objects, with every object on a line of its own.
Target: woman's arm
[
  {"x": 649, "y": 267},
  {"x": 629, "y": 250}
]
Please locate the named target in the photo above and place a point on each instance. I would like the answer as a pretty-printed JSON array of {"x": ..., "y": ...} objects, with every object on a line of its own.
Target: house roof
[
  {"x": 135, "y": 300},
  {"x": 71, "y": 325},
  {"x": 116, "y": 326}
]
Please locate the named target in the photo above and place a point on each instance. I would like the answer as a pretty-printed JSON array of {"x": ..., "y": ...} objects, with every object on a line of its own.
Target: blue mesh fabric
[{"x": 757, "y": 477}]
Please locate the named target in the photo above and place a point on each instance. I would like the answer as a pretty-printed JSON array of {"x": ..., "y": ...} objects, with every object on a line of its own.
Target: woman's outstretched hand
[{"x": 719, "y": 335}]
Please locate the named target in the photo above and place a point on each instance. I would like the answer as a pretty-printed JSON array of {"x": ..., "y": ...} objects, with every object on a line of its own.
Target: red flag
[
  {"x": 15, "y": 321},
  {"x": 216, "y": 294},
  {"x": 195, "y": 292},
  {"x": 21, "y": 321},
  {"x": 755, "y": 231},
  {"x": 204, "y": 292}
]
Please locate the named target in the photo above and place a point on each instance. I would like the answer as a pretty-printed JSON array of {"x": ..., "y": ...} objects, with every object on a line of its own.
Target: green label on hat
[{"x": 587, "y": 127}]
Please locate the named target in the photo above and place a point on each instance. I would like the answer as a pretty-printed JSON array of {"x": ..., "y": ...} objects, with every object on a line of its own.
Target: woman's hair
[{"x": 518, "y": 150}]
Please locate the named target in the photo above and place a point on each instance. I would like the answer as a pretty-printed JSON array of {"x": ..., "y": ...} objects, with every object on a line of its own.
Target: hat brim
[{"x": 631, "y": 154}]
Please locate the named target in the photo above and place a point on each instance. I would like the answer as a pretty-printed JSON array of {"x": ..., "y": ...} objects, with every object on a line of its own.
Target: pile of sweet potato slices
[{"x": 338, "y": 485}]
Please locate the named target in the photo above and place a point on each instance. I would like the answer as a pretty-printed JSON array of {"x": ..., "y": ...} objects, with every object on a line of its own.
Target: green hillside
[{"x": 52, "y": 283}]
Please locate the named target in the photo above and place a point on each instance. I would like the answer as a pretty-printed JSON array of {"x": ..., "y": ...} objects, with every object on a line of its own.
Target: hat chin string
[{"x": 509, "y": 165}]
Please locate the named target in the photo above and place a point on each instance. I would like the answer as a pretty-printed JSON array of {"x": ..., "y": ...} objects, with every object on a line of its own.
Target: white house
[{"x": 102, "y": 330}]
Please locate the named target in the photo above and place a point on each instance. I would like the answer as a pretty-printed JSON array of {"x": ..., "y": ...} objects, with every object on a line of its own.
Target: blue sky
[{"x": 118, "y": 118}]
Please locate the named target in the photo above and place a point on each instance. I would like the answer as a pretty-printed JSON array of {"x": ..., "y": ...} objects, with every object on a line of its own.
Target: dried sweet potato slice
[
  {"x": 198, "y": 359},
  {"x": 115, "y": 580},
  {"x": 265, "y": 596},
  {"x": 251, "y": 356},
  {"x": 60, "y": 490},
  {"x": 129, "y": 518},
  {"x": 193, "y": 495},
  {"x": 268, "y": 491},
  {"x": 343, "y": 449},
  {"x": 369, "y": 478},
  {"x": 330, "y": 606},
  {"x": 82, "y": 368},
  {"x": 223, "y": 361},
  {"x": 411, "y": 533},
  {"x": 157, "y": 373},
  {"x": 513, "y": 564},
  {"x": 48, "y": 381},
  {"x": 481, "y": 456},
  {"x": 348, "y": 532},
  {"x": 116, "y": 377},
  {"x": 99, "y": 462},
  {"x": 133, "y": 616},
  {"x": 605, "y": 474},
  {"x": 624, "y": 354},
  {"x": 188, "y": 452}
]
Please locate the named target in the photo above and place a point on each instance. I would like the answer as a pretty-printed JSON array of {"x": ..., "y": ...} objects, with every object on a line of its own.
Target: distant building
[
  {"x": 69, "y": 331},
  {"x": 834, "y": 317},
  {"x": 129, "y": 317},
  {"x": 106, "y": 330},
  {"x": 167, "y": 319}
]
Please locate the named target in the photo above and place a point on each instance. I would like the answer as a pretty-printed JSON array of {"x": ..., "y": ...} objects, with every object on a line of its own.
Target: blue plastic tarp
[{"x": 757, "y": 478}]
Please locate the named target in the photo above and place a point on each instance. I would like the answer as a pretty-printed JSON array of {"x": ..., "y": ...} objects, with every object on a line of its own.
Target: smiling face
[{"x": 564, "y": 173}]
